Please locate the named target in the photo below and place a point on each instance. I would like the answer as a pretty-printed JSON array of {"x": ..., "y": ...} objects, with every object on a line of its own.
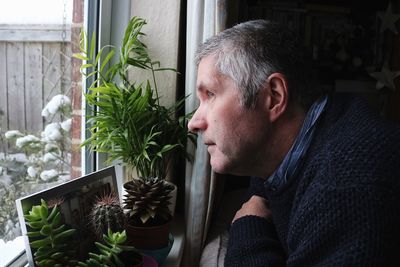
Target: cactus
[
  {"x": 147, "y": 201},
  {"x": 111, "y": 251},
  {"x": 49, "y": 237},
  {"x": 107, "y": 213}
]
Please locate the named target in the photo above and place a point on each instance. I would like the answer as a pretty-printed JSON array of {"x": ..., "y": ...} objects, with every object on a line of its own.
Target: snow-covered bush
[
  {"x": 48, "y": 157},
  {"x": 37, "y": 160}
]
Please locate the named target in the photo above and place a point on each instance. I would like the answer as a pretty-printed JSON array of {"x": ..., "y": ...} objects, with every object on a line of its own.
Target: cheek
[
  {"x": 231, "y": 132},
  {"x": 247, "y": 133}
]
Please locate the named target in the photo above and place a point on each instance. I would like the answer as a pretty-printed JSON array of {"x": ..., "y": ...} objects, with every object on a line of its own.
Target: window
[
  {"x": 28, "y": 82},
  {"x": 40, "y": 105}
]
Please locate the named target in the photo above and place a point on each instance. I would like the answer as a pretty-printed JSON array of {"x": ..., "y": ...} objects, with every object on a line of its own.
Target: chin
[
  {"x": 217, "y": 169},
  {"x": 220, "y": 167}
]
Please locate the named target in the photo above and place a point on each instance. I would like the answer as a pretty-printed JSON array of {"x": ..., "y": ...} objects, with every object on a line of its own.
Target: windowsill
[
  {"x": 12, "y": 251},
  {"x": 173, "y": 259},
  {"x": 178, "y": 231}
]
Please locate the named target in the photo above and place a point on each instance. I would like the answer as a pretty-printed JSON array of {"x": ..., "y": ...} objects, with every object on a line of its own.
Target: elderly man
[{"x": 325, "y": 169}]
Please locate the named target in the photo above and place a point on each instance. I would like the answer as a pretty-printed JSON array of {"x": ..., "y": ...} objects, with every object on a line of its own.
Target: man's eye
[{"x": 210, "y": 94}]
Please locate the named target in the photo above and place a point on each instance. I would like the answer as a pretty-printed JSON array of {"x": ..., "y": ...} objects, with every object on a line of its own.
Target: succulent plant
[
  {"x": 147, "y": 200},
  {"x": 107, "y": 213},
  {"x": 111, "y": 251},
  {"x": 49, "y": 237}
]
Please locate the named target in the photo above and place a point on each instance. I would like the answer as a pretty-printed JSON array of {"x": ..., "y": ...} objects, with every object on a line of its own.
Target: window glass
[{"x": 40, "y": 101}]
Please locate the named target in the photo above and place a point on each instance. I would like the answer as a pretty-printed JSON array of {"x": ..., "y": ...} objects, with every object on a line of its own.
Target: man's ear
[{"x": 278, "y": 95}]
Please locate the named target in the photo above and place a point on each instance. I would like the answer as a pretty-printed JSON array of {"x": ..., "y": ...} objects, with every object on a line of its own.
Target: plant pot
[
  {"x": 173, "y": 194},
  {"x": 159, "y": 254},
  {"x": 148, "y": 237},
  {"x": 132, "y": 258},
  {"x": 149, "y": 261}
]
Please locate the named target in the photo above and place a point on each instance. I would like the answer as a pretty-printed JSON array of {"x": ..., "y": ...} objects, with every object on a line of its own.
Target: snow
[
  {"x": 18, "y": 157},
  {"x": 11, "y": 249},
  {"x": 23, "y": 141},
  {"x": 48, "y": 175},
  {"x": 13, "y": 134},
  {"x": 57, "y": 103},
  {"x": 66, "y": 125},
  {"x": 49, "y": 157},
  {"x": 32, "y": 172},
  {"x": 52, "y": 132}
]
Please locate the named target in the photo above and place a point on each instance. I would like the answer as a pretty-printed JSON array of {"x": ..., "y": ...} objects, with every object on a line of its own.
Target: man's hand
[{"x": 256, "y": 206}]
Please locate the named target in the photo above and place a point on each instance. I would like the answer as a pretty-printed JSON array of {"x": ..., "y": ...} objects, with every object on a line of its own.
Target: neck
[{"x": 285, "y": 131}]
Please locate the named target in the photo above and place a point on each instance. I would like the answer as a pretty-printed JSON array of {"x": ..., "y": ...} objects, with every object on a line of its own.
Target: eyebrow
[
  {"x": 210, "y": 83},
  {"x": 200, "y": 87}
]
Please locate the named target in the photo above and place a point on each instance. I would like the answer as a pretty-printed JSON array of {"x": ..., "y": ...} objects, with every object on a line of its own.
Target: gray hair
[{"x": 250, "y": 52}]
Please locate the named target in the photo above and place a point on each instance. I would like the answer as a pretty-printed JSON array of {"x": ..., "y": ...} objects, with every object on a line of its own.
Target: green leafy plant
[
  {"x": 49, "y": 237},
  {"x": 130, "y": 124},
  {"x": 111, "y": 252},
  {"x": 106, "y": 214}
]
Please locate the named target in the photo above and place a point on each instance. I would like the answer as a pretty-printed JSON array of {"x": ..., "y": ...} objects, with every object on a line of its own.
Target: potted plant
[
  {"x": 49, "y": 237},
  {"x": 52, "y": 241},
  {"x": 107, "y": 214},
  {"x": 131, "y": 126},
  {"x": 113, "y": 252}
]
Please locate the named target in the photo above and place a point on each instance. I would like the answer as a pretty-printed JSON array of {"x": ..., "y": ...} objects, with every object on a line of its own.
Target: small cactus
[{"x": 107, "y": 213}]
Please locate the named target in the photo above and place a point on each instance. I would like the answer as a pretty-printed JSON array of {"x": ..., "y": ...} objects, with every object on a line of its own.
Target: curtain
[{"x": 205, "y": 18}]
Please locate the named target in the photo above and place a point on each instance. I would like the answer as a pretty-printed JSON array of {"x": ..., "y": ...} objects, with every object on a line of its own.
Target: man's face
[{"x": 235, "y": 135}]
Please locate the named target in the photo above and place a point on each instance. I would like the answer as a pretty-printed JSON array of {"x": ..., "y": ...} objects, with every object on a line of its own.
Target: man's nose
[{"x": 197, "y": 123}]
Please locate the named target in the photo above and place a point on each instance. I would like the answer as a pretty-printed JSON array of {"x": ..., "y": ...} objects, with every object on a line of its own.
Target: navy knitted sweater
[{"x": 343, "y": 206}]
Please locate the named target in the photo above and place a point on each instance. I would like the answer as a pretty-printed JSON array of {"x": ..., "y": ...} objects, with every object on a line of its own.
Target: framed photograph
[{"x": 75, "y": 199}]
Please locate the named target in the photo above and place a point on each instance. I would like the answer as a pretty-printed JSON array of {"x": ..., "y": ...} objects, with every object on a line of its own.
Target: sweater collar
[{"x": 295, "y": 157}]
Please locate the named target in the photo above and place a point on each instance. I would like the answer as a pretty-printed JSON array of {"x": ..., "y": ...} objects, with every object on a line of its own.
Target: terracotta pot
[{"x": 148, "y": 237}]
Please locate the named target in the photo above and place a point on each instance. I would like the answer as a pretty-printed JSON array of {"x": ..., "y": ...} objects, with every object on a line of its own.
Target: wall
[{"x": 162, "y": 33}]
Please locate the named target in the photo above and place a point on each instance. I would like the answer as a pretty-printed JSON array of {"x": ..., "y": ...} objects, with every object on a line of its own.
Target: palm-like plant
[{"x": 130, "y": 124}]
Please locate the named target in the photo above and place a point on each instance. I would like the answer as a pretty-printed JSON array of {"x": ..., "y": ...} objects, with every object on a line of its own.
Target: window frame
[{"x": 109, "y": 19}]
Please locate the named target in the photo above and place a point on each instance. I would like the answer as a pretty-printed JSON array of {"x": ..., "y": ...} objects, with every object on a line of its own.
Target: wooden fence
[{"x": 35, "y": 65}]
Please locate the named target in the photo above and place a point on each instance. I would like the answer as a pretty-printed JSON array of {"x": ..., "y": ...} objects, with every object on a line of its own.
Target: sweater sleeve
[
  {"x": 256, "y": 187},
  {"x": 253, "y": 242},
  {"x": 348, "y": 226},
  {"x": 355, "y": 225}
]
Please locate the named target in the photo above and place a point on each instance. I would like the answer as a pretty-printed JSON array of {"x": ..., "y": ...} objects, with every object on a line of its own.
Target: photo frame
[{"x": 75, "y": 199}]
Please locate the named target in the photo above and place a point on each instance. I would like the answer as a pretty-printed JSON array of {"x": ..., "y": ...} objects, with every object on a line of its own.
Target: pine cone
[{"x": 148, "y": 198}]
